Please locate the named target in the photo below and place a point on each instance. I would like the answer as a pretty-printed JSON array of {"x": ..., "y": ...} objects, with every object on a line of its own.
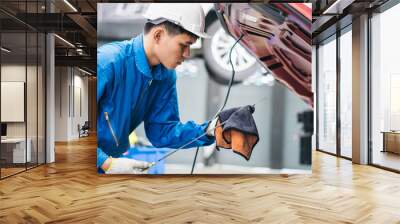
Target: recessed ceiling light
[
  {"x": 64, "y": 40},
  {"x": 70, "y": 5},
  {"x": 5, "y": 49},
  {"x": 338, "y": 6},
  {"x": 86, "y": 72}
]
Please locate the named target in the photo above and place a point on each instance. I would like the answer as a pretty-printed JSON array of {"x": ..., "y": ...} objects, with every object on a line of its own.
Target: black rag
[{"x": 238, "y": 131}]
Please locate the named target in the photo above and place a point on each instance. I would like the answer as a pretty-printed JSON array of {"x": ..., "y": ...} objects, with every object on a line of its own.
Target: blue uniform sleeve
[
  {"x": 104, "y": 72},
  {"x": 101, "y": 84},
  {"x": 163, "y": 127},
  {"x": 101, "y": 157}
]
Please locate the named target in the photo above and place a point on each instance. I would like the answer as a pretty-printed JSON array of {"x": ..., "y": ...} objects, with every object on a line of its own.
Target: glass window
[
  {"x": 346, "y": 93},
  {"x": 13, "y": 87},
  {"x": 22, "y": 91},
  {"x": 385, "y": 89},
  {"x": 41, "y": 98},
  {"x": 31, "y": 99},
  {"x": 327, "y": 96}
]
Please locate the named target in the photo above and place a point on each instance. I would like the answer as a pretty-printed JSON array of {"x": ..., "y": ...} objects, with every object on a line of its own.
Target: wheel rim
[{"x": 221, "y": 44}]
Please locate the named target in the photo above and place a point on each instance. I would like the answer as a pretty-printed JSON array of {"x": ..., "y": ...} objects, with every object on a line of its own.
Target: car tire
[{"x": 218, "y": 70}]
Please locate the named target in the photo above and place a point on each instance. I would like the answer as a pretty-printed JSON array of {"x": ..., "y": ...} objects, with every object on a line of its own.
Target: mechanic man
[{"x": 137, "y": 83}]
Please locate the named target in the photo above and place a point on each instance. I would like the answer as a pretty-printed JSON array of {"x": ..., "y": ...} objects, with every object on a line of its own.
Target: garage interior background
[{"x": 200, "y": 96}]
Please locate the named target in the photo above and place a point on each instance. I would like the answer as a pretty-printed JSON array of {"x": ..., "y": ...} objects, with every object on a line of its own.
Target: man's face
[{"x": 173, "y": 50}]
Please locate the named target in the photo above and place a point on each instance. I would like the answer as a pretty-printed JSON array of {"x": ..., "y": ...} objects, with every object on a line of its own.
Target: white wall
[
  {"x": 61, "y": 103},
  {"x": 70, "y": 83},
  {"x": 33, "y": 127},
  {"x": 12, "y": 73}
]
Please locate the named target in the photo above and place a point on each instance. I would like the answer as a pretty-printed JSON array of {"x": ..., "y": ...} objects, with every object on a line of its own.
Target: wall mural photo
[{"x": 190, "y": 88}]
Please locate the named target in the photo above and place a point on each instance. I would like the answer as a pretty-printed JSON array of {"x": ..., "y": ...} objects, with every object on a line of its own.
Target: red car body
[{"x": 279, "y": 36}]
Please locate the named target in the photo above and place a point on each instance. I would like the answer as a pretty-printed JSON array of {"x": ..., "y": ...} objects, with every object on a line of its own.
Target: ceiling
[
  {"x": 331, "y": 15},
  {"x": 74, "y": 22}
]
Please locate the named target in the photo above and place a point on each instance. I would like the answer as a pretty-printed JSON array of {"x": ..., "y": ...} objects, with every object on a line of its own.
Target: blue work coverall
[{"x": 129, "y": 91}]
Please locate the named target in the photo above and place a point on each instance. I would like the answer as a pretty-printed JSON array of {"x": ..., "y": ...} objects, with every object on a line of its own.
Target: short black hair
[{"x": 170, "y": 27}]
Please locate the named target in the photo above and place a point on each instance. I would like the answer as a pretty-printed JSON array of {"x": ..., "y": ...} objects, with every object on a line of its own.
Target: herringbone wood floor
[{"x": 70, "y": 191}]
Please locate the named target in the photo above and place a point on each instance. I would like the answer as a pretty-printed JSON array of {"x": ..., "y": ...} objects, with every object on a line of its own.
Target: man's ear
[{"x": 157, "y": 34}]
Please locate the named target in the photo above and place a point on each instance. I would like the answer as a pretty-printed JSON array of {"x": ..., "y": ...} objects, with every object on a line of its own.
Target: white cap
[{"x": 190, "y": 16}]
